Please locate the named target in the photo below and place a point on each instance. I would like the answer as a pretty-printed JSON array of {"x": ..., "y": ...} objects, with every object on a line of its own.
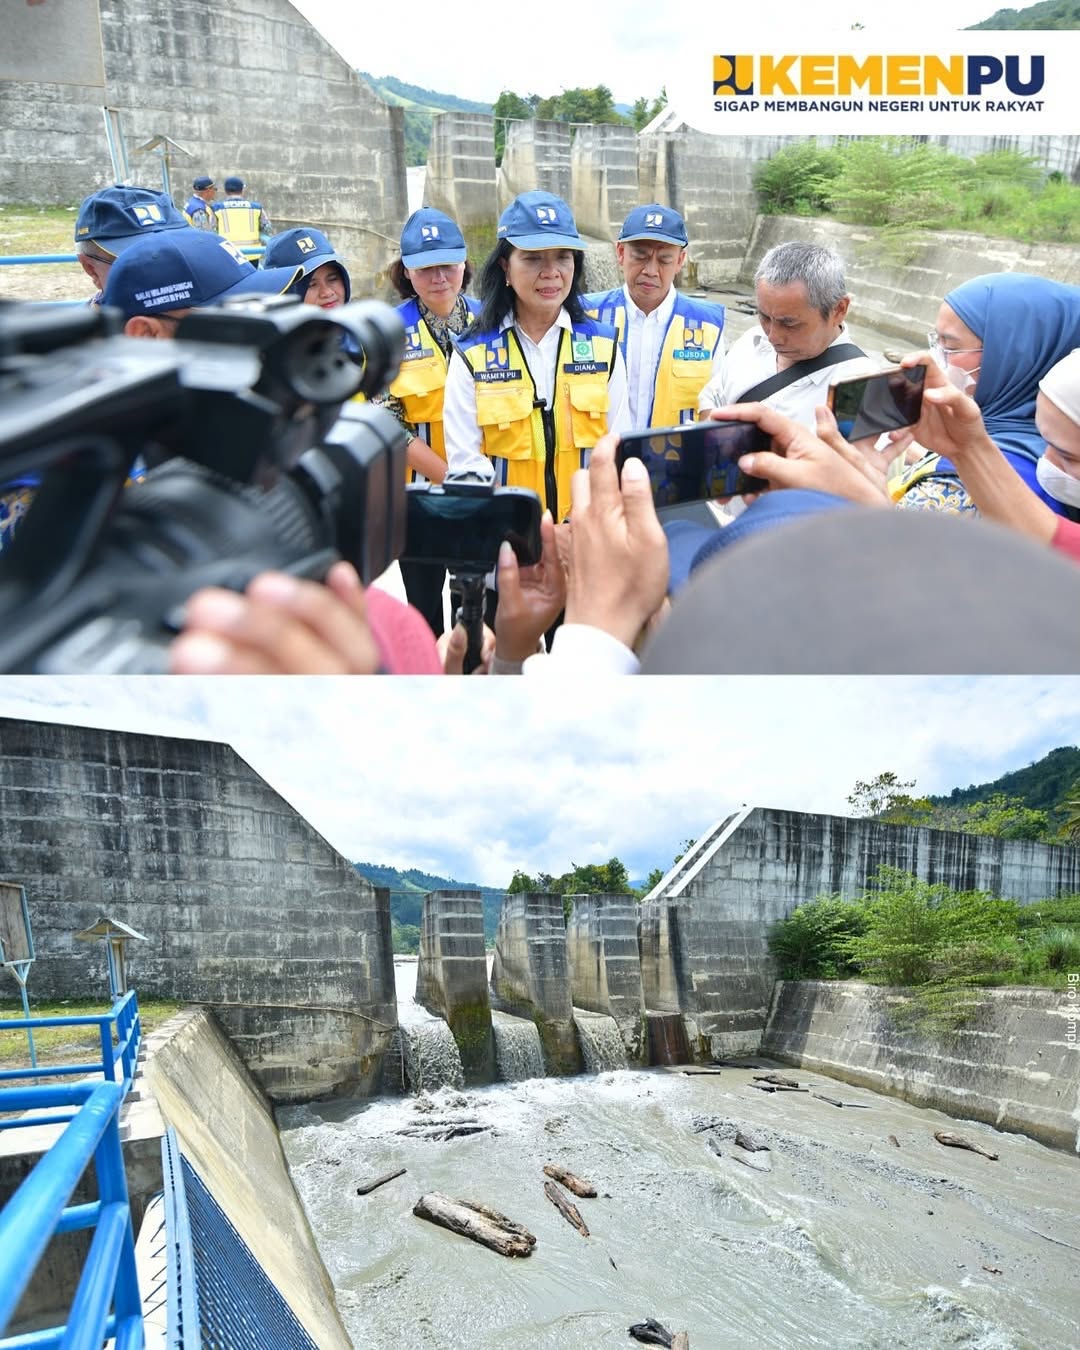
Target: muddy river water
[{"x": 850, "y": 1239}]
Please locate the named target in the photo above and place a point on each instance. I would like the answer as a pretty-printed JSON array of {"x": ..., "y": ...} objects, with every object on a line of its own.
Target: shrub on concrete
[{"x": 811, "y": 943}]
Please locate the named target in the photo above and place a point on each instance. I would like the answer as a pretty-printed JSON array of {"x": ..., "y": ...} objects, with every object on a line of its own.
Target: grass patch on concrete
[
  {"x": 67, "y": 1045},
  {"x": 37, "y": 229}
]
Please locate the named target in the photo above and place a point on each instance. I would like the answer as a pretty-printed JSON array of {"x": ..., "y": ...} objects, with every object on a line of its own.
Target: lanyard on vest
[{"x": 547, "y": 419}]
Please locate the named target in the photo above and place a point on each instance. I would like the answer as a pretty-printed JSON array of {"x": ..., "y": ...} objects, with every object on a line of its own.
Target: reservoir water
[{"x": 850, "y": 1240}]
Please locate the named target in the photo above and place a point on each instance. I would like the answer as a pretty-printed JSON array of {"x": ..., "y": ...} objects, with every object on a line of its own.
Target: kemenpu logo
[
  {"x": 429, "y": 232},
  {"x": 545, "y": 215},
  {"x": 843, "y": 74},
  {"x": 653, "y": 220},
  {"x": 306, "y": 244},
  {"x": 148, "y": 215},
  {"x": 496, "y": 358},
  {"x": 733, "y": 76}
]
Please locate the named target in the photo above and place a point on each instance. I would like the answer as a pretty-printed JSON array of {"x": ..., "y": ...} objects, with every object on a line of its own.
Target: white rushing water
[
  {"x": 850, "y": 1240},
  {"x": 429, "y": 1053},
  {"x": 601, "y": 1041},
  {"x": 518, "y": 1054}
]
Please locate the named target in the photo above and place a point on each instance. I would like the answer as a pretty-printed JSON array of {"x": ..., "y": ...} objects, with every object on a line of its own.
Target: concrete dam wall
[
  {"x": 1015, "y": 1064},
  {"x": 704, "y": 927},
  {"x": 246, "y": 908},
  {"x": 253, "y": 90}
]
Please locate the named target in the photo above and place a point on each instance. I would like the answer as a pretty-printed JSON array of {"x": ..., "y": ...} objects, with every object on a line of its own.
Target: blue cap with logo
[
  {"x": 117, "y": 217},
  {"x": 307, "y": 249},
  {"x": 654, "y": 222},
  {"x": 431, "y": 239},
  {"x": 234, "y": 184},
  {"x": 202, "y": 182},
  {"x": 186, "y": 269},
  {"x": 537, "y": 220}
]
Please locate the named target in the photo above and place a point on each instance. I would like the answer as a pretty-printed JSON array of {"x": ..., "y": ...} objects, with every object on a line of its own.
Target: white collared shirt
[
  {"x": 645, "y": 334},
  {"x": 464, "y": 439},
  {"x": 753, "y": 359}
]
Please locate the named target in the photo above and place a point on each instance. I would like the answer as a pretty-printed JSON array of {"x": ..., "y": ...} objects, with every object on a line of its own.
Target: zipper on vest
[{"x": 551, "y": 484}]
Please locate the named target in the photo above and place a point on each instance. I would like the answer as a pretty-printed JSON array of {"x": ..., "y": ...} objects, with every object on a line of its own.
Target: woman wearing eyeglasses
[{"x": 996, "y": 337}]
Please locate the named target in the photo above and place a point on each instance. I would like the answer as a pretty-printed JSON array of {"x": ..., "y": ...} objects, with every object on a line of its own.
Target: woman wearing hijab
[
  {"x": 996, "y": 337},
  {"x": 534, "y": 383},
  {"x": 324, "y": 280}
]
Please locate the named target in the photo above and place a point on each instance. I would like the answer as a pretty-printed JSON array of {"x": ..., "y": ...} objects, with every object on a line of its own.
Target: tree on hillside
[
  {"x": 880, "y": 794},
  {"x": 515, "y": 108},
  {"x": 1070, "y": 825},
  {"x": 580, "y": 105},
  {"x": 644, "y": 111},
  {"x": 1006, "y": 818},
  {"x": 1049, "y": 14}
]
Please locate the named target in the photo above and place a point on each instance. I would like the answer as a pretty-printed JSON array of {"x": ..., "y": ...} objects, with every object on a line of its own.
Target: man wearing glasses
[{"x": 112, "y": 220}]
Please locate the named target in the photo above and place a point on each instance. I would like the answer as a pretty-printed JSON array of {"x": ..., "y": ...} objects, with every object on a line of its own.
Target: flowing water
[
  {"x": 848, "y": 1241},
  {"x": 601, "y": 1041},
  {"x": 429, "y": 1052},
  {"x": 517, "y": 1048}
]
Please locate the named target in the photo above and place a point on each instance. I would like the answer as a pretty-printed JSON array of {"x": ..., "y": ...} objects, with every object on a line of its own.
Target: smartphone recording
[
  {"x": 696, "y": 462},
  {"x": 869, "y": 405},
  {"x": 460, "y": 526}
]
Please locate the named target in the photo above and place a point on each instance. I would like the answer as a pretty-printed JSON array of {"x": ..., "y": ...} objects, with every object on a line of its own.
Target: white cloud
[
  {"x": 632, "y": 46},
  {"x": 472, "y": 778}
]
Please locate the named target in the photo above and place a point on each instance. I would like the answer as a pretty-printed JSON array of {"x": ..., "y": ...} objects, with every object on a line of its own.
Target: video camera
[{"x": 253, "y": 461}]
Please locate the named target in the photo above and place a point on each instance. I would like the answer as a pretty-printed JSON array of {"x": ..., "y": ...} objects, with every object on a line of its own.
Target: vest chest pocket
[
  {"x": 504, "y": 417},
  {"x": 420, "y": 386},
  {"x": 589, "y": 405}
]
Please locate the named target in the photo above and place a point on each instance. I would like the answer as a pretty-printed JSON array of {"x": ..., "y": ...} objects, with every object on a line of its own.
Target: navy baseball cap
[
  {"x": 187, "y": 269},
  {"x": 305, "y": 248},
  {"x": 691, "y": 544},
  {"x": 234, "y": 184},
  {"x": 536, "y": 220},
  {"x": 431, "y": 239},
  {"x": 203, "y": 181},
  {"x": 117, "y": 217},
  {"x": 654, "y": 222}
]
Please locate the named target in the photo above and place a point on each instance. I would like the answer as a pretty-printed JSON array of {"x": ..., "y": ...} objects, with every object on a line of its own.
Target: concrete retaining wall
[
  {"x": 530, "y": 976},
  {"x": 704, "y": 931},
  {"x": 605, "y": 968},
  {"x": 451, "y": 977},
  {"x": 245, "y": 906},
  {"x": 226, "y": 1131},
  {"x": 901, "y": 295},
  {"x": 536, "y": 156},
  {"x": 248, "y": 89},
  {"x": 1015, "y": 1065},
  {"x": 603, "y": 178}
]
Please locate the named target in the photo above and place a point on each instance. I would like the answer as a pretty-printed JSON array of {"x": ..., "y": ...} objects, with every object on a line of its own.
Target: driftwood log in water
[
  {"x": 651, "y": 1332},
  {"x": 681, "y": 1341},
  {"x": 894, "y": 1141},
  {"x": 776, "y": 1079},
  {"x": 437, "y": 1130},
  {"x": 758, "y": 1161},
  {"x": 750, "y": 1143},
  {"x": 577, "y": 1184},
  {"x": 951, "y": 1140},
  {"x": 476, "y": 1222},
  {"x": 570, "y": 1212},
  {"x": 776, "y": 1087},
  {"x": 692, "y": 1073},
  {"x": 376, "y": 1182}
]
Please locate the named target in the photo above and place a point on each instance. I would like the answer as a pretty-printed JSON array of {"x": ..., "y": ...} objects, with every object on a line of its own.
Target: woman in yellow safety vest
[
  {"x": 430, "y": 276},
  {"x": 535, "y": 382}
]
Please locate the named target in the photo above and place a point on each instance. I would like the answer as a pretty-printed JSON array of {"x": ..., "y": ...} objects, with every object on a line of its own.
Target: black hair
[
  {"x": 403, "y": 284},
  {"x": 497, "y": 298}
]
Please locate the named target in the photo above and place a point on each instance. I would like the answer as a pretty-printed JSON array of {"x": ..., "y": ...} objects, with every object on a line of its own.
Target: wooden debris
[
  {"x": 735, "y": 1064},
  {"x": 570, "y": 1212},
  {"x": 680, "y": 1341},
  {"x": 951, "y": 1140},
  {"x": 992, "y": 1270},
  {"x": 822, "y": 1098},
  {"x": 577, "y": 1184},
  {"x": 651, "y": 1332},
  {"x": 776, "y": 1079},
  {"x": 476, "y": 1222},
  {"x": 435, "y": 1130},
  {"x": 376, "y": 1182},
  {"x": 776, "y": 1087},
  {"x": 751, "y": 1144},
  {"x": 692, "y": 1073},
  {"x": 714, "y": 1144},
  {"x": 894, "y": 1141}
]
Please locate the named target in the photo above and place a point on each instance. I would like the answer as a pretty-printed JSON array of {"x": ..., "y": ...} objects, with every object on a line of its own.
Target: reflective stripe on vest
[
  {"x": 684, "y": 363},
  {"x": 513, "y": 428},
  {"x": 238, "y": 221}
]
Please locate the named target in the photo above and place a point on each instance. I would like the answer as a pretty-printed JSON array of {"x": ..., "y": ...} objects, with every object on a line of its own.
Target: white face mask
[
  {"x": 958, "y": 377},
  {"x": 1056, "y": 483}
]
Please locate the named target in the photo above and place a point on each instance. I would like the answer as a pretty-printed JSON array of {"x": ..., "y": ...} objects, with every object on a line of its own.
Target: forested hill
[
  {"x": 1043, "y": 785},
  {"x": 408, "y": 888},
  {"x": 420, "y": 106},
  {"x": 1048, "y": 14}
]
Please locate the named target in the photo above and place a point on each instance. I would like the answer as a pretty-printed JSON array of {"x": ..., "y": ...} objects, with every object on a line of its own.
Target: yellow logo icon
[{"x": 733, "y": 76}]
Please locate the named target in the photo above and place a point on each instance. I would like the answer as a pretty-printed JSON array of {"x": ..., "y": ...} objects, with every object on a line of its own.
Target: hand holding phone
[
  {"x": 868, "y": 405},
  {"x": 697, "y": 461}
]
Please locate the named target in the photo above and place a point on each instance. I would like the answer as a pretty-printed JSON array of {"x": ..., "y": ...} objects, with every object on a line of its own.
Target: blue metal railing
[
  {"x": 106, "y": 1303},
  {"x": 116, "y": 1065}
]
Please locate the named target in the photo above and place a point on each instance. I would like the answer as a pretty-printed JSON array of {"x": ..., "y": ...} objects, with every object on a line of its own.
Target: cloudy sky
[
  {"x": 632, "y": 46},
  {"x": 472, "y": 778}
]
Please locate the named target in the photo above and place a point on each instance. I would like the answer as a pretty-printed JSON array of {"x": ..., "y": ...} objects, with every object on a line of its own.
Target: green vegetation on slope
[{"x": 1048, "y": 14}]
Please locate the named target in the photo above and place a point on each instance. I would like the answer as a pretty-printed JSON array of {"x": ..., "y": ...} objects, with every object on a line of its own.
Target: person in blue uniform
[
  {"x": 112, "y": 220},
  {"x": 200, "y": 205},
  {"x": 240, "y": 219}
]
